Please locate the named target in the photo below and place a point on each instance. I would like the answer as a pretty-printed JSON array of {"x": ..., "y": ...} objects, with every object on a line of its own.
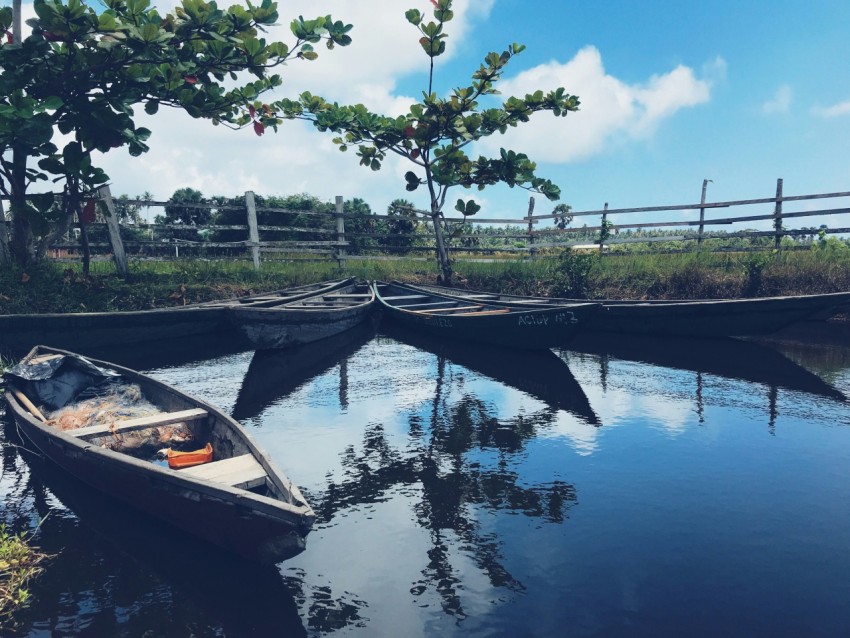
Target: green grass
[
  {"x": 60, "y": 288},
  {"x": 20, "y": 562}
]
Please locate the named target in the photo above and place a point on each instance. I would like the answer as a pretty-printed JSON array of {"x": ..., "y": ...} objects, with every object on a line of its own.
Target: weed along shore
[{"x": 51, "y": 287}]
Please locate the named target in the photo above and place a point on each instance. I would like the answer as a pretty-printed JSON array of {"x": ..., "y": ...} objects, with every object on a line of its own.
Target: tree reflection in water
[{"x": 445, "y": 461}]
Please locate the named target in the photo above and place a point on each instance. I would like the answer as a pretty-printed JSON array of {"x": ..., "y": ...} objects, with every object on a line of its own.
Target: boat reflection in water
[
  {"x": 169, "y": 353},
  {"x": 539, "y": 373},
  {"x": 273, "y": 374},
  {"x": 723, "y": 359},
  {"x": 730, "y": 358}
]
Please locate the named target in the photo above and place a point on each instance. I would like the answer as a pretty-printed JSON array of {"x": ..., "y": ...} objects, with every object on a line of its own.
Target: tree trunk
[
  {"x": 22, "y": 243},
  {"x": 56, "y": 233},
  {"x": 84, "y": 243},
  {"x": 443, "y": 260},
  {"x": 5, "y": 255}
]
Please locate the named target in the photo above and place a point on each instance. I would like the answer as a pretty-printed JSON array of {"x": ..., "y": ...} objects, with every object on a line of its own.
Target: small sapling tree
[{"x": 437, "y": 134}]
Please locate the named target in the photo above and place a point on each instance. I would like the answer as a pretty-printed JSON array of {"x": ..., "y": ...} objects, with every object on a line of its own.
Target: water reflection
[
  {"x": 729, "y": 358},
  {"x": 764, "y": 376},
  {"x": 456, "y": 486},
  {"x": 169, "y": 353},
  {"x": 471, "y": 492},
  {"x": 274, "y": 374},
  {"x": 539, "y": 373}
]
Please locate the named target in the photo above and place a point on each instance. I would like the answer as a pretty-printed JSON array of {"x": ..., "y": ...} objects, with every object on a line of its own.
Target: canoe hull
[
  {"x": 701, "y": 318},
  {"x": 86, "y": 331},
  {"x": 83, "y": 331},
  {"x": 268, "y": 329},
  {"x": 221, "y": 522},
  {"x": 545, "y": 330},
  {"x": 307, "y": 320},
  {"x": 535, "y": 328},
  {"x": 724, "y": 318},
  {"x": 259, "y": 527}
]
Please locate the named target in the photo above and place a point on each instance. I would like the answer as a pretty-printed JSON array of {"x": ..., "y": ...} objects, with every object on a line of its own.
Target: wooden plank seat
[
  {"x": 433, "y": 304},
  {"x": 242, "y": 471},
  {"x": 349, "y": 295},
  {"x": 453, "y": 309},
  {"x": 325, "y": 302},
  {"x": 403, "y": 297},
  {"x": 141, "y": 423},
  {"x": 499, "y": 311}
]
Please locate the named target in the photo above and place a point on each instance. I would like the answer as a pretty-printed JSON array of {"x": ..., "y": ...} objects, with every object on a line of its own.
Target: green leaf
[
  {"x": 413, "y": 16},
  {"x": 42, "y": 202},
  {"x": 52, "y": 103}
]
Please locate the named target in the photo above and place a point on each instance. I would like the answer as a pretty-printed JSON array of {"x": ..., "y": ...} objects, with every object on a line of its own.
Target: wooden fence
[{"x": 326, "y": 236}]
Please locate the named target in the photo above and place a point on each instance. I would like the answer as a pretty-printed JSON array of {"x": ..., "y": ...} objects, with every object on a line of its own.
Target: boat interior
[{"x": 179, "y": 434}]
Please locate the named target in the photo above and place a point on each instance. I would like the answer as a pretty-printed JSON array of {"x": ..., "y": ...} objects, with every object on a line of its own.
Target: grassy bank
[
  {"x": 20, "y": 562},
  {"x": 59, "y": 288}
]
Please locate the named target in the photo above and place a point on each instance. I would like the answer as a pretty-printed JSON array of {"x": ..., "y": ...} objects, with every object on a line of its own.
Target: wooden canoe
[
  {"x": 700, "y": 318},
  {"x": 483, "y": 322},
  {"x": 310, "y": 318},
  {"x": 240, "y": 501},
  {"x": 88, "y": 330}
]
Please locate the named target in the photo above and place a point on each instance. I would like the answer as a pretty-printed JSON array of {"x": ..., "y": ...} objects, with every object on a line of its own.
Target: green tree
[
  {"x": 180, "y": 210},
  {"x": 402, "y": 225},
  {"x": 82, "y": 73},
  {"x": 359, "y": 222},
  {"x": 436, "y": 133},
  {"x": 131, "y": 213}
]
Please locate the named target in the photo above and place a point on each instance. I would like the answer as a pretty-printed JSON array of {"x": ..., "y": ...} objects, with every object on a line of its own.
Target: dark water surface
[{"x": 615, "y": 489}]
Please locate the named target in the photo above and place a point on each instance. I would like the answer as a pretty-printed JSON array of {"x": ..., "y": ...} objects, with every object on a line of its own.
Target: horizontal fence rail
[{"x": 242, "y": 231}]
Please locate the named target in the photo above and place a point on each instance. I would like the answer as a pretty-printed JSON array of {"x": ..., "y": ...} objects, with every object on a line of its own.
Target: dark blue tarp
[{"x": 56, "y": 381}]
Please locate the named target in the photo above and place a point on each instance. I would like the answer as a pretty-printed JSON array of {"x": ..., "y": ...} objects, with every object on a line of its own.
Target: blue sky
[{"x": 741, "y": 93}]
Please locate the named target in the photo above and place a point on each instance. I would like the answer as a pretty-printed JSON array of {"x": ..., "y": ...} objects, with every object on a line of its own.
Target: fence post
[
  {"x": 340, "y": 232},
  {"x": 533, "y": 250},
  {"x": 777, "y": 216},
  {"x": 114, "y": 228},
  {"x": 603, "y": 229},
  {"x": 253, "y": 231},
  {"x": 5, "y": 255},
  {"x": 702, "y": 212}
]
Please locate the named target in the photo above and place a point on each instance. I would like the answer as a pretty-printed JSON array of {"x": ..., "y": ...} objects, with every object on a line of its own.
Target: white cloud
[
  {"x": 714, "y": 70},
  {"x": 609, "y": 106},
  {"x": 780, "y": 102},
  {"x": 187, "y": 152},
  {"x": 836, "y": 110}
]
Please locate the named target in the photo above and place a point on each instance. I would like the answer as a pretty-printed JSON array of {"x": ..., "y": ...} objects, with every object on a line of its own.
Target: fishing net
[
  {"x": 108, "y": 404},
  {"x": 75, "y": 393}
]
